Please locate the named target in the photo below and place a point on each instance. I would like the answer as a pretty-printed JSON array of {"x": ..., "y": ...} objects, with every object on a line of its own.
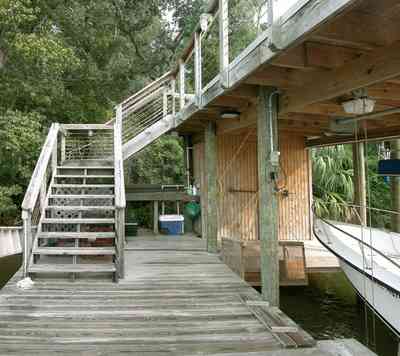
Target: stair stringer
[{"x": 148, "y": 136}]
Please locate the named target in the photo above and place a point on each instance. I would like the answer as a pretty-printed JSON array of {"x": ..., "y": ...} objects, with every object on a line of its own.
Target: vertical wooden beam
[
  {"x": 155, "y": 217},
  {"x": 27, "y": 226},
  {"x": 224, "y": 43},
  {"x": 395, "y": 187},
  {"x": 360, "y": 190},
  {"x": 210, "y": 147},
  {"x": 62, "y": 148},
  {"x": 165, "y": 102},
  {"x": 267, "y": 147},
  {"x": 173, "y": 93},
  {"x": 54, "y": 158},
  {"x": 182, "y": 78},
  {"x": 197, "y": 68}
]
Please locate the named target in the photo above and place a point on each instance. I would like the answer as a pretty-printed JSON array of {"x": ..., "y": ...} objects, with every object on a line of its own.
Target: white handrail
[
  {"x": 39, "y": 173},
  {"x": 120, "y": 201}
]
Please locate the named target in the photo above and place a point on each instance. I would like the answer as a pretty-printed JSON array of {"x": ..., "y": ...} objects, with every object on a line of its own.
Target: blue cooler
[{"x": 172, "y": 224}]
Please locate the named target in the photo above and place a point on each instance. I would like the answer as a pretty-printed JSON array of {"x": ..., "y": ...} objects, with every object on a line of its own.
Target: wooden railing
[
  {"x": 36, "y": 195},
  {"x": 120, "y": 200},
  {"x": 10, "y": 240}
]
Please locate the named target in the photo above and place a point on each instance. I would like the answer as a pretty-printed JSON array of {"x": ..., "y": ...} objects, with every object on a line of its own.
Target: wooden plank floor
[{"x": 172, "y": 302}]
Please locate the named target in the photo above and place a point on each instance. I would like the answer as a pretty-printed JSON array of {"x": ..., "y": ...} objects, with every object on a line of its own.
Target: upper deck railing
[
  {"x": 232, "y": 39},
  {"x": 223, "y": 33}
]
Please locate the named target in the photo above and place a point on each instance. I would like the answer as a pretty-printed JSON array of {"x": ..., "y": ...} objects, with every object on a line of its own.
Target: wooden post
[
  {"x": 54, "y": 158},
  {"x": 182, "y": 78},
  {"x": 197, "y": 68},
  {"x": 62, "y": 148},
  {"x": 173, "y": 92},
  {"x": 210, "y": 147},
  {"x": 360, "y": 191},
  {"x": 395, "y": 187},
  {"x": 155, "y": 217},
  {"x": 120, "y": 213},
  {"x": 267, "y": 148},
  {"x": 165, "y": 102},
  {"x": 27, "y": 225},
  {"x": 224, "y": 42}
]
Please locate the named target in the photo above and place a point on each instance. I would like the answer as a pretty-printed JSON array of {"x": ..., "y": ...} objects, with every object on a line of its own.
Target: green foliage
[
  {"x": 21, "y": 138},
  {"x": 71, "y": 62},
  {"x": 333, "y": 185},
  {"x": 332, "y": 181},
  {"x": 159, "y": 163}
]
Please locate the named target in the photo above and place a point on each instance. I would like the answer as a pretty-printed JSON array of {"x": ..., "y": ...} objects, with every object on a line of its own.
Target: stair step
[
  {"x": 84, "y": 176},
  {"x": 73, "y": 251},
  {"x": 82, "y": 186},
  {"x": 86, "y": 167},
  {"x": 78, "y": 221},
  {"x": 72, "y": 268},
  {"x": 80, "y": 208},
  {"x": 77, "y": 235},
  {"x": 82, "y": 196}
]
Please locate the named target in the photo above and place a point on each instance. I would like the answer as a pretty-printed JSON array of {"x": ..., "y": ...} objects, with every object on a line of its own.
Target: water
[
  {"x": 329, "y": 309},
  {"x": 8, "y": 266}
]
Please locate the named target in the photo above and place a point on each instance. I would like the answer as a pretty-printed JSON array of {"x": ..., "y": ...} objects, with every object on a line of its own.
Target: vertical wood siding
[
  {"x": 238, "y": 199},
  {"x": 238, "y": 186},
  {"x": 294, "y": 217}
]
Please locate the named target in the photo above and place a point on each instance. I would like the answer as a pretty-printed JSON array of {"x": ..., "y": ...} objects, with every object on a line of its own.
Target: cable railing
[
  {"x": 210, "y": 50},
  {"x": 225, "y": 30},
  {"x": 87, "y": 142}
]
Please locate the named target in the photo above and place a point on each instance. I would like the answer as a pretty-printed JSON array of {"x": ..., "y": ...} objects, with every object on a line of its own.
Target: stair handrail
[
  {"x": 36, "y": 193},
  {"x": 120, "y": 200},
  {"x": 148, "y": 89},
  {"x": 47, "y": 152}
]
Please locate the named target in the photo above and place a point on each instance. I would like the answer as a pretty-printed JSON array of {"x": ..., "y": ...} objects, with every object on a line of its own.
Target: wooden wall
[
  {"x": 238, "y": 186},
  {"x": 294, "y": 210}
]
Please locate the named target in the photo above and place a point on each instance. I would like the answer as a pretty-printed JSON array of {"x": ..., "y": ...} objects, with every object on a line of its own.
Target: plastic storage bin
[{"x": 172, "y": 224}]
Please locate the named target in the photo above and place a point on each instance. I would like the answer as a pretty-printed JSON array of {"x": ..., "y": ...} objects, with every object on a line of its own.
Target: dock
[{"x": 176, "y": 299}]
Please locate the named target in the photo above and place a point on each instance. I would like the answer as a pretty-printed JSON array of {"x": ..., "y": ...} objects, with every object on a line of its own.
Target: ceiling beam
[
  {"x": 361, "y": 30},
  {"x": 322, "y": 85}
]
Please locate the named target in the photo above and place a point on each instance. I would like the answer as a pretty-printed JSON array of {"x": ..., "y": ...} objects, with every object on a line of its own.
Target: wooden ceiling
[{"x": 358, "y": 49}]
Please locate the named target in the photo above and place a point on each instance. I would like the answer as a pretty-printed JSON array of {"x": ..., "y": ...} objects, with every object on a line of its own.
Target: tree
[
  {"x": 332, "y": 181},
  {"x": 21, "y": 138},
  {"x": 159, "y": 163}
]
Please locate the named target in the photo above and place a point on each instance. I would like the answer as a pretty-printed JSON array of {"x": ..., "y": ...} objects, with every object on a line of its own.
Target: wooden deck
[{"x": 176, "y": 299}]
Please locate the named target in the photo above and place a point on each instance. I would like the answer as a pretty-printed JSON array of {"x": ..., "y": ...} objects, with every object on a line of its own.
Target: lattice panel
[
  {"x": 88, "y": 190},
  {"x": 83, "y": 202}
]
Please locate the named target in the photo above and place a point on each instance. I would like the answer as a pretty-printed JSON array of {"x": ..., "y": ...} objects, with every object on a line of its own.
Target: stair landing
[{"x": 176, "y": 299}]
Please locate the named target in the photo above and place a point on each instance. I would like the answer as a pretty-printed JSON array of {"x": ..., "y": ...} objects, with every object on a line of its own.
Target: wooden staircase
[
  {"x": 77, "y": 230},
  {"x": 74, "y": 208}
]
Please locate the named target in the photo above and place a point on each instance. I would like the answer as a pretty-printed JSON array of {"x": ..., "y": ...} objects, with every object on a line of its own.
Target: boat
[{"x": 370, "y": 259}]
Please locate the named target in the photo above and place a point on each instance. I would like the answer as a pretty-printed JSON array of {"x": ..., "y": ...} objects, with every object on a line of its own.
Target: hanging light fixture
[
  {"x": 230, "y": 114},
  {"x": 360, "y": 104}
]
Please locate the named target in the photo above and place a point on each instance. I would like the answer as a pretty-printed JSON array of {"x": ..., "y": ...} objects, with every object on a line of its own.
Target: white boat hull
[
  {"x": 370, "y": 258},
  {"x": 385, "y": 302}
]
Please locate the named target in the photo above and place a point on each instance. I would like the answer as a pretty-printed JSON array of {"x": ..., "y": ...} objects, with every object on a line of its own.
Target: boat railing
[{"x": 352, "y": 214}]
